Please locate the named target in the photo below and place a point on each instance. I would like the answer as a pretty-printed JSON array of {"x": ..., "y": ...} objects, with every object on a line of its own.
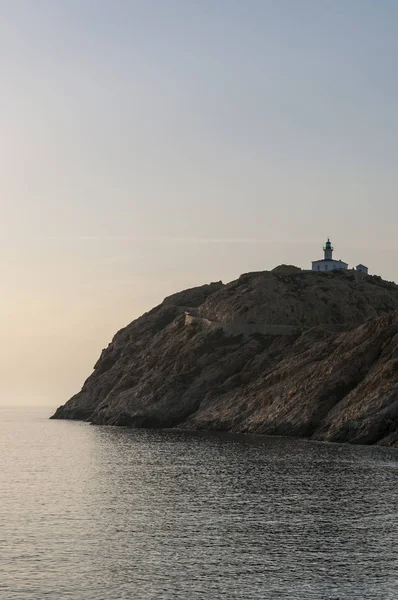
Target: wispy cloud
[{"x": 186, "y": 240}]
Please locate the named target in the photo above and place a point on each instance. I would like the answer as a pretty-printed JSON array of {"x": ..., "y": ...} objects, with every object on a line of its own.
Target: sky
[{"x": 148, "y": 146}]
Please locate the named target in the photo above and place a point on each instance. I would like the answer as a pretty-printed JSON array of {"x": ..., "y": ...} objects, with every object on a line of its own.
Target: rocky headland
[{"x": 285, "y": 352}]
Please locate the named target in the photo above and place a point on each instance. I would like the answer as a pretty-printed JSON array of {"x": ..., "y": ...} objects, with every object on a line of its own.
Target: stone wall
[{"x": 240, "y": 327}]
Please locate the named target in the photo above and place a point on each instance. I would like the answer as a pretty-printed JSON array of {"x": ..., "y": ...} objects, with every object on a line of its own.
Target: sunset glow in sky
[{"x": 153, "y": 145}]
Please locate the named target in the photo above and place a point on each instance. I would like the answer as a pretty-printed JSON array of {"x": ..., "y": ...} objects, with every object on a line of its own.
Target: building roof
[
  {"x": 328, "y": 260},
  {"x": 361, "y": 265}
]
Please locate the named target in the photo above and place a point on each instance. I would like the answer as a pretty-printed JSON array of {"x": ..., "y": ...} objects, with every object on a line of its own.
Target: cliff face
[{"x": 283, "y": 352}]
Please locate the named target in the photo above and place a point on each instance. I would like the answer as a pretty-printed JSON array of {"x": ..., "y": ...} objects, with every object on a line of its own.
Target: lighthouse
[
  {"x": 328, "y": 250},
  {"x": 328, "y": 263}
]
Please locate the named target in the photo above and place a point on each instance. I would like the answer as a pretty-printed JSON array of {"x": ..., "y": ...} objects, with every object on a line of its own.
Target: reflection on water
[{"x": 108, "y": 514}]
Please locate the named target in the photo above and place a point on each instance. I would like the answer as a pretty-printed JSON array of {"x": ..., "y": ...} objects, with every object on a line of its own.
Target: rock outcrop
[{"x": 286, "y": 352}]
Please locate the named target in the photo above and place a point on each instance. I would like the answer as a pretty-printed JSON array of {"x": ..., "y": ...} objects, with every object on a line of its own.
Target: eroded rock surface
[{"x": 285, "y": 352}]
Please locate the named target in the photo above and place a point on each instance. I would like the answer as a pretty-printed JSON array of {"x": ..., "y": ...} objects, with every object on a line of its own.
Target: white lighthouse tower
[
  {"x": 328, "y": 263},
  {"x": 328, "y": 250}
]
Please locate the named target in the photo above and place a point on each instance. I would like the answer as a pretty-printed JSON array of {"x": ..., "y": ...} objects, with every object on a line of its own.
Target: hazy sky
[{"x": 149, "y": 146}]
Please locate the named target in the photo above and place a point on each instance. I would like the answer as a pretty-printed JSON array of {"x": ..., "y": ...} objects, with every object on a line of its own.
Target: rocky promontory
[{"x": 285, "y": 352}]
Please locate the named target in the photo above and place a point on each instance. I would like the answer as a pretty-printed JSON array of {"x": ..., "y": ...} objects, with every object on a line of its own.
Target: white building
[
  {"x": 362, "y": 268},
  {"x": 328, "y": 263}
]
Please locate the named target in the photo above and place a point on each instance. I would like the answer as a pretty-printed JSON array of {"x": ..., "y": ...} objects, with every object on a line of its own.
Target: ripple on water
[{"x": 106, "y": 513}]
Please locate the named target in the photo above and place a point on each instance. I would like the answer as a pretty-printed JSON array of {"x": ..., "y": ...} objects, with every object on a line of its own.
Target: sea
[{"x": 103, "y": 513}]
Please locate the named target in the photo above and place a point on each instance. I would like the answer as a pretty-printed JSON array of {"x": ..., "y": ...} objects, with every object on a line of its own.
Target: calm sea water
[{"x": 101, "y": 513}]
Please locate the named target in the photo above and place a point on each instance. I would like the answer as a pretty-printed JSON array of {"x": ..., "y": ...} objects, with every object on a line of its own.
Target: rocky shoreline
[{"x": 285, "y": 352}]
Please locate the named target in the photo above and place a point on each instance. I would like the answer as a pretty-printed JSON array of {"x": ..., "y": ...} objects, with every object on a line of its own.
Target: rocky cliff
[{"x": 285, "y": 352}]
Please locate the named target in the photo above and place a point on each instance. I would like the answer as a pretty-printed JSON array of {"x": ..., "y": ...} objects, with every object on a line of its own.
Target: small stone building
[{"x": 362, "y": 269}]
